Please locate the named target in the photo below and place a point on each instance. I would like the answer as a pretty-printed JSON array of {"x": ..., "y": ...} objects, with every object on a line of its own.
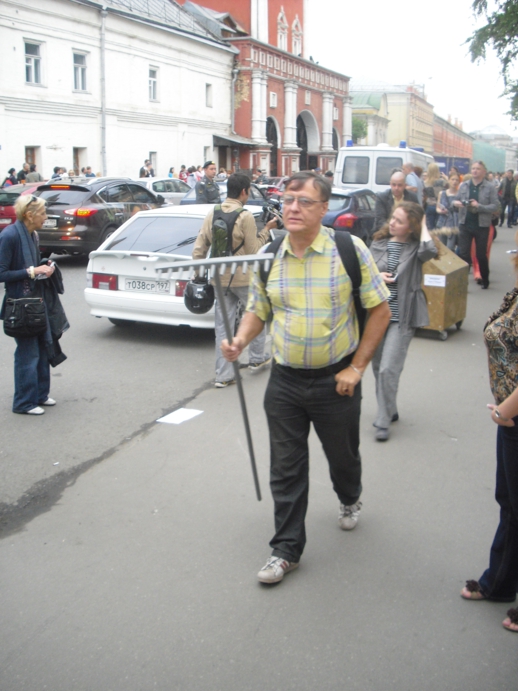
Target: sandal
[
  {"x": 472, "y": 591},
  {"x": 511, "y": 623}
]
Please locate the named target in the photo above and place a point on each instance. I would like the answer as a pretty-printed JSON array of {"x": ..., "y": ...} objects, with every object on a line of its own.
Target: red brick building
[
  {"x": 450, "y": 140},
  {"x": 290, "y": 113}
]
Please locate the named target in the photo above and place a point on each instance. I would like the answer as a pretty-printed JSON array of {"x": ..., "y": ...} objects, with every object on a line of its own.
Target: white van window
[
  {"x": 356, "y": 170},
  {"x": 384, "y": 168}
]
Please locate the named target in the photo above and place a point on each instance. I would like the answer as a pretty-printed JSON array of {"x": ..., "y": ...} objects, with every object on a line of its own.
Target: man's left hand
[{"x": 346, "y": 381}]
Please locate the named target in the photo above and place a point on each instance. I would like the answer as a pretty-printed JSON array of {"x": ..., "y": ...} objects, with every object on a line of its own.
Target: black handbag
[{"x": 25, "y": 317}]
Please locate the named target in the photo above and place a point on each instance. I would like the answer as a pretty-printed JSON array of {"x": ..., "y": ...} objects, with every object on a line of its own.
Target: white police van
[{"x": 372, "y": 166}]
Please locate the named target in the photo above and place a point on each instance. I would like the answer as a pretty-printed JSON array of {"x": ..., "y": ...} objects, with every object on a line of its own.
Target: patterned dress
[{"x": 501, "y": 337}]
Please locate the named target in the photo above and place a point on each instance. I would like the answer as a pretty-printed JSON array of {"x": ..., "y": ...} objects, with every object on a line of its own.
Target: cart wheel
[
  {"x": 458, "y": 325},
  {"x": 443, "y": 335}
]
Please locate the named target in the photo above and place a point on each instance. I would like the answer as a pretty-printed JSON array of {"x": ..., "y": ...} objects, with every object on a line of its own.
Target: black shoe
[
  {"x": 485, "y": 285},
  {"x": 479, "y": 281},
  {"x": 395, "y": 417}
]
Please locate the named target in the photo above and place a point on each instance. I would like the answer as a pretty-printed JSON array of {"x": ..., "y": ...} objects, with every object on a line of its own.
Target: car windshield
[
  {"x": 65, "y": 196},
  {"x": 8, "y": 198},
  {"x": 338, "y": 202},
  {"x": 159, "y": 234}
]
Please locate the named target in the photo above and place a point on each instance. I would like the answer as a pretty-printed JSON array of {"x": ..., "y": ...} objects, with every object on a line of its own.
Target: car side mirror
[{"x": 161, "y": 199}]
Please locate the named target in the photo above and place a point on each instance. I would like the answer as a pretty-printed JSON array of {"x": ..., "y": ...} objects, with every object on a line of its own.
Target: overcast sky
[{"x": 404, "y": 42}]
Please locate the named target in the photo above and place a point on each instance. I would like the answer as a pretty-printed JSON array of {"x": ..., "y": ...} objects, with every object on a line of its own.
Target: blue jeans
[
  {"x": 225, "y": 369},
  {"x": 31, "y": 374},
  {"x": 292, "y": 402},
  {"x": 500, "y": 581},
  {"x": 431, "y": 216}
]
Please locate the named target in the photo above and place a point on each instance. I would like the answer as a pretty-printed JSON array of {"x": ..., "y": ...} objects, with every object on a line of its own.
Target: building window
[
  {"x": 153, "y": 84},
  {"x": 335, "y": 113},
  {"x": 273, "y": 99},
  {"x": 307, "y": 98},
  {"x": 282, "y": 30},
  {"x": 208, "y": 95},
  {"x": 296, "y": 36},
  {"x": 262, "y": 58},
  {"x": 277, "y": 64},
  {"x": 270, "y": 60},
  {"x": 79, "y": 72},
  {"x": 32, "y": 63}
]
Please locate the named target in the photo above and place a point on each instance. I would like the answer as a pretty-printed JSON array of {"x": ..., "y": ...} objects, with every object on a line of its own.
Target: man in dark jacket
[
  {"x": 507, "y": 192},
  {"x": 207, "y": 190},
  {"x": 387, "y": 201}
]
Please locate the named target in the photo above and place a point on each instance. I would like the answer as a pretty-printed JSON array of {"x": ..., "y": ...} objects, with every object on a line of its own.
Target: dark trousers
[
  {"x": 291, "y": 403},
  {"x": 31, "y": 374},
  {"x": 500, "y": 580},
  {"x": 480, "y": 235},
  {"x": 508, "y": 204}
]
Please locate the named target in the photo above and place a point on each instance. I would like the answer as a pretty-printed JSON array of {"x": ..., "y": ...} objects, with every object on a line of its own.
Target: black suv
[{"x": 83, "y": 212}]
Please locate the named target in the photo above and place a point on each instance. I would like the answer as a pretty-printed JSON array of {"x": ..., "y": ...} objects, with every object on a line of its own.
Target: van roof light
[
  {"x": 402, "y": 144},
  {"x": 349, "y": 142}
]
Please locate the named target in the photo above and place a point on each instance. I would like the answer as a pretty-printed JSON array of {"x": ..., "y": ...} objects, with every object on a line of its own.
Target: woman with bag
[
  {"x": 19, "y": 270},
  {"x": 433, "y": 187},
  {"x": 499, "y": 582},
  {"x": 448, "y": 223},
  {"x": 399, "y": 249}
]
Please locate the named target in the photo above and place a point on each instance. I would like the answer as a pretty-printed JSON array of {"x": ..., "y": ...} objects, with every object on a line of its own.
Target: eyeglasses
[{"x": 303, "y": 202}]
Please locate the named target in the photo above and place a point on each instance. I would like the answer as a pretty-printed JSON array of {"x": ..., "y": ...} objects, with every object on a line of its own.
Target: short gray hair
[{"x": 21, "y": 205}]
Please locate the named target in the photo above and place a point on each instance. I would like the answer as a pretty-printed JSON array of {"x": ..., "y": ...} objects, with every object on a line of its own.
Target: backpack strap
[
  {"x": 347, "y": 252},
  {"x": 272, "y": 248}
]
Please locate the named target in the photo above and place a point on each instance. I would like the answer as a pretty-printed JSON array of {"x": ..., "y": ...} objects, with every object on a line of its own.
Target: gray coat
[
  {"x": 487, "y": 199},
  {"x": 413, "y": 308}
]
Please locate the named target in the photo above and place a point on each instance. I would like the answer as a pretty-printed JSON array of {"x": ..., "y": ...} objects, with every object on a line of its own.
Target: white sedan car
[
  {"x": 122, "y": 284},
  {"x": 171, "y": 189}
]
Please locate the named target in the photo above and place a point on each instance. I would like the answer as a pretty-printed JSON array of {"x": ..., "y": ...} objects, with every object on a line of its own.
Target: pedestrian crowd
[
  {"x": 315, "y": 295},
  {"x": 28, "y": 173}
]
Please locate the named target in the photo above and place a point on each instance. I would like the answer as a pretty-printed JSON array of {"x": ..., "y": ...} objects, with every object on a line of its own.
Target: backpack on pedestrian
[
  {"x": 222, "y": 227},
  {"x": 350, "y": 261}
]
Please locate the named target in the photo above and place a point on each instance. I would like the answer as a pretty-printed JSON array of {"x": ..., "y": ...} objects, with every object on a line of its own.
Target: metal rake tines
[{"x": 219, "y": 264}]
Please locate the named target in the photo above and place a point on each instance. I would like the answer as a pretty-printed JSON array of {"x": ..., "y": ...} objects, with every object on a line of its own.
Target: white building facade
[{"x": 109, "y": 88}]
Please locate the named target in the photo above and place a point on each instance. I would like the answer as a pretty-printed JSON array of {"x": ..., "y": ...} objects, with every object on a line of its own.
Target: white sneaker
[
  {"x": 258, "y": 366},
  {"x": 49, "y": 401},
  {"x": 348, "y": 516},
  {"x": 274, "y": 569},
  {"x": 35, "y": 411}
]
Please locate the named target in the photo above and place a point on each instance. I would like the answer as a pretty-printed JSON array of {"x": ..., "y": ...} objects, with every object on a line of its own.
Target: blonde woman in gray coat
[{"x": 399, "y": 250}]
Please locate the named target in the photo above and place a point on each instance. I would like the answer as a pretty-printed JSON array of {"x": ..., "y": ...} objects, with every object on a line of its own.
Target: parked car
[
  {"x": 171, "y": 189},
  {"x": 83, "y": 212},
  {"x": 352, "y": 210},
  {"x": 8, "y": 196},
  {"x": 122, "y": 284},
  {"x": 274, "y": 186},
  {"x": 256, "y": 198}
]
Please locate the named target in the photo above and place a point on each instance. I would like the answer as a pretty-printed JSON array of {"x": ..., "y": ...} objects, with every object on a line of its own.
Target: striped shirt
[
  {"x": 394, "y": 252},
  {"x": 314, "y": 322}
]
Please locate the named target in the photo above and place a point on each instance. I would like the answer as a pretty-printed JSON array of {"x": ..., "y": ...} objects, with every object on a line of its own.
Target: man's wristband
[
  {"x": 356, "y": 370},
  {"x": 501, "y": 417}
]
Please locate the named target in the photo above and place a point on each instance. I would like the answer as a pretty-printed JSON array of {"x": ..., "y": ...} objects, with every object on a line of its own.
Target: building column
[
  {"x": 371, "y": 131},
  {"x": 327, "y": 121},
  {"x": 347, "y": 132},
  {"x": 259, "y": 87},
  {"x": 290, "y": 115}
]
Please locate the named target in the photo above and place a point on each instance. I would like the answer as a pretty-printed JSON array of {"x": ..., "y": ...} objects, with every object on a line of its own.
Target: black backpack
[
  {"x": 347, "y": 252},
  {"x": 222, "y": 227}
]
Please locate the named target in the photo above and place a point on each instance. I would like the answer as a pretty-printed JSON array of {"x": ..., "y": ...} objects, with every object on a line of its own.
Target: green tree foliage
[
  {"x": 359, "y": 129},
  {"x": 501, "y": 34}
]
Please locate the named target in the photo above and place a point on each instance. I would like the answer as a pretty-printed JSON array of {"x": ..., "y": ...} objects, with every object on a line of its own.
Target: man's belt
[{"x": 320, "y": 371}]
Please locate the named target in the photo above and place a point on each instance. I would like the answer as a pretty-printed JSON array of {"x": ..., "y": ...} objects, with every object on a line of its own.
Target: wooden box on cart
[{"x": 445, "y": 283}]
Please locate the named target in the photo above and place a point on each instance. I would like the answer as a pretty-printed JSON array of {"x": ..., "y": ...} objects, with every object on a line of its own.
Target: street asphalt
[{"x": 138, "y": 571}]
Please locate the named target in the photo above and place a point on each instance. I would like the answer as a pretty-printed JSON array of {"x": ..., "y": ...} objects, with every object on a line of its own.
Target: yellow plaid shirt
[{"x": 314, "y": 321}]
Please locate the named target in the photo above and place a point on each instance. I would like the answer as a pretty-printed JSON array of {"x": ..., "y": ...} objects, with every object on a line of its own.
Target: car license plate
[
  {"x": 139, "y": 286},
  {"x": 49, "y": 223},
  {"x": 5, "y": 221}
]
